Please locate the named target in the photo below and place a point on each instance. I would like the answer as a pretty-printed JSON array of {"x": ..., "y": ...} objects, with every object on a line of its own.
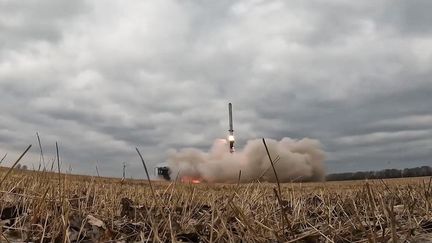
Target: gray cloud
[
  {"x": 104, "y": 78},
  {"x": 35, "y": 21}
]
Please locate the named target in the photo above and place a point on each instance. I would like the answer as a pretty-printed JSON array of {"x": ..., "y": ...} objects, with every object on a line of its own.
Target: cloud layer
[{"x": 104, "y": 77}]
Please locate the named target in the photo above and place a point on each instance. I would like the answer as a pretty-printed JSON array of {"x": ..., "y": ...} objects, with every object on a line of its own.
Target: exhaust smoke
[{"x": 295, "y": 160}]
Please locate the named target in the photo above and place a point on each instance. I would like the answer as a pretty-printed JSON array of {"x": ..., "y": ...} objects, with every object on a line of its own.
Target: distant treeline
[
  {"x": 19, "y": 167},
  {"x": 382, "y": 174}
]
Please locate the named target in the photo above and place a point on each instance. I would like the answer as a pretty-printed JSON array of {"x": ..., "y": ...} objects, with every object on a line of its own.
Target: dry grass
[{"x": 39, "y": 207}]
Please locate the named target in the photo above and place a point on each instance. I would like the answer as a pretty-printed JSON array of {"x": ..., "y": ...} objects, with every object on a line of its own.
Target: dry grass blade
[
  {"x": 321, "y": 233},
  {"x": 147, "y": 174},
  {"x": 279, "y": 192},
  {"x": 274, "y": 169},
  {"x": 58, "y": 163},
  {"x": 13, "y": 166},
  {"x": 97, "y": 169},
  {"x": 4, "y": 157},
  {"x": 276, "y": 160},
  {"x": 4, "y": 237},
  {"x": 41, "y": 150}
]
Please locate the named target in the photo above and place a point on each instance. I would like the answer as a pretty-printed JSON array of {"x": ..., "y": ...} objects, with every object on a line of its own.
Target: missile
[{"x": 231, "y": 130}]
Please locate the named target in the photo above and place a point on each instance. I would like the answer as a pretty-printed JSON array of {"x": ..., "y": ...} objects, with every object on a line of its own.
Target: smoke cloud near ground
[{"x": 295, "y": 160}]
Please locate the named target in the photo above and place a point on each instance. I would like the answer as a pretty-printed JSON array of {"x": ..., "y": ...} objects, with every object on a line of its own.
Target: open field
[{"x": 47, "y": 207}]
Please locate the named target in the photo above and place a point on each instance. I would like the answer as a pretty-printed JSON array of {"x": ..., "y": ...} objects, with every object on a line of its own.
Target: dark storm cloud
[
  {"x": 409, "y": 17},
  {"x": 102, "y": 78},
  {"x": 21, "y": 22}
]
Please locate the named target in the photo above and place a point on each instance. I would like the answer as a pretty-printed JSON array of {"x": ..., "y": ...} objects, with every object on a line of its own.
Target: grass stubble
[{"x": 47, "y": 206}]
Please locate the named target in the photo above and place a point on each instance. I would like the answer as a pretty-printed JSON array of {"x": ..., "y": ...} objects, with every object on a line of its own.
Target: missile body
[
  {"x": 230, "y": 119},
  {"x": 231, "y": 129}
]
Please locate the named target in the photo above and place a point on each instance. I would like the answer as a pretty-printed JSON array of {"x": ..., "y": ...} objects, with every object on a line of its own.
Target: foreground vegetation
[{"x": 48, "y": 207}]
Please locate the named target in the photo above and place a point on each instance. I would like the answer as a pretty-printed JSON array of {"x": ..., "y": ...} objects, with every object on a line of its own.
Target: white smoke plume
[{"x": 295, "y": 160}]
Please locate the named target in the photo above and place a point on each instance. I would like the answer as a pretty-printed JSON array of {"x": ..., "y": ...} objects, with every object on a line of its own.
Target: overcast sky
[{"x": 104, "y": 77}]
